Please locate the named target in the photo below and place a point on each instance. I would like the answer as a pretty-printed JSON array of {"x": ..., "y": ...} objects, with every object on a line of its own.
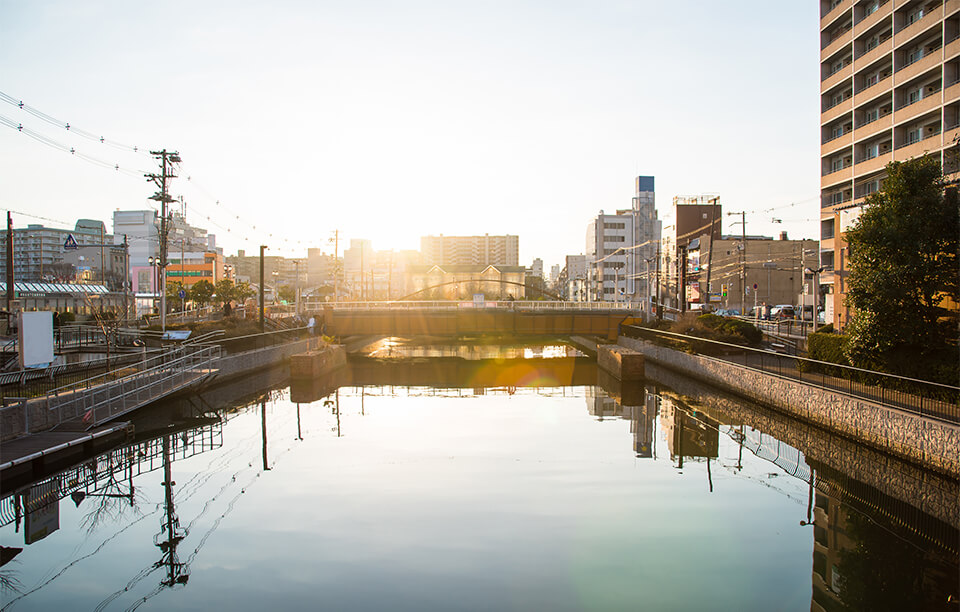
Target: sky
[{"x": 391, "y": 120}]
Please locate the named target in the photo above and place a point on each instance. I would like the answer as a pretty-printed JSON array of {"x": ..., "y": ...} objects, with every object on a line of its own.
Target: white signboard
[{"x": 35, "y": 335}]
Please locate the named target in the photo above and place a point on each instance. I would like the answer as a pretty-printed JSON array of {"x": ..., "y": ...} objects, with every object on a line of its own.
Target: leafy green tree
[
  {"x": 225, "y": 290},
  {"x": 201, "y": 292},
  {"x": 902, "y": 264}
]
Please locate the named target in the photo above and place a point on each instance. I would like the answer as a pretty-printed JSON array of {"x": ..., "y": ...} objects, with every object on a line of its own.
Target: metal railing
[
  {"x": 240, "y": 344},
  {"x": 100, "y": 399},
  {"x": 489, "y": 304},
  {"x": 925, "y": 398}
]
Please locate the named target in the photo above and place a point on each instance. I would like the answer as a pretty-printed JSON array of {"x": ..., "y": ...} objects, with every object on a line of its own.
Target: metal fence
[
  {"x": 533, "y": 305},
  {"x": 103, "y": 397},
  {"x": 925, "y": 398}
]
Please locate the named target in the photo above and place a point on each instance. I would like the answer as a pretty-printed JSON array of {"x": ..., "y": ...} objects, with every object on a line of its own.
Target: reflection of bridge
[{"x": 407, "y": 319}]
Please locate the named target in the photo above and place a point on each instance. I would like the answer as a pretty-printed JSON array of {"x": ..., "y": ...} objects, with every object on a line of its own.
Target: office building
[{"x": 890, "y": 91}]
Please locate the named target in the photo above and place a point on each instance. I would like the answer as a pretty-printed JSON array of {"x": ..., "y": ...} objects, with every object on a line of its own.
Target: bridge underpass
[{"x": 459, "y": 319}]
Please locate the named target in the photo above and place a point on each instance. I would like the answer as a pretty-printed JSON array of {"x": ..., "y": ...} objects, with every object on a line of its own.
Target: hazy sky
[{"x": 394, "y": 120}]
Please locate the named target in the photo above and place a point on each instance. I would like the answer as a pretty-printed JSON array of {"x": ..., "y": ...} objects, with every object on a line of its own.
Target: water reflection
[{"x": 361, "y": 475}]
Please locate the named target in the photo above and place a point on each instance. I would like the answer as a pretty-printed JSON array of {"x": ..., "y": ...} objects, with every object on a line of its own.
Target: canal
[{"x": 466, "y": 478}]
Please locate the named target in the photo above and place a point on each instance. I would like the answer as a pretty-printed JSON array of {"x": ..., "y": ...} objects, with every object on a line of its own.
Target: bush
[{"x": 826, "y": 346}]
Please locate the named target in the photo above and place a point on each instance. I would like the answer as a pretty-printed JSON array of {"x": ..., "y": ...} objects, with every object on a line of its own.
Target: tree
[
  {"x": 243, "y": 290},
  {"x": 201, "y": 292},
  {"x": 902, "y": 264},
  {"x": 225, "y": 291},
  {"x": 287, "y": 294}
]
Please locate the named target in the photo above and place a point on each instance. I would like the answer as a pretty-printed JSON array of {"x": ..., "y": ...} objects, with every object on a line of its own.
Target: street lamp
[{"x": 816, "y": 285}]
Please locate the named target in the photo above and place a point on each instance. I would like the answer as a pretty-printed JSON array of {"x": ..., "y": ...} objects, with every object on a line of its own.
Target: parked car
[{"x": 783, "y": 311}]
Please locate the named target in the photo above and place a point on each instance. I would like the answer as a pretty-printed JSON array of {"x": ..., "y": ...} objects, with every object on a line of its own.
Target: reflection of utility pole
[
  {"x": 263, "y": 433},
  {"x": 262, "y": 282},
  {"x": 336, "y": 410},
  {"x": 176, "y": 573},
  {"x": 299, "y": 435}
]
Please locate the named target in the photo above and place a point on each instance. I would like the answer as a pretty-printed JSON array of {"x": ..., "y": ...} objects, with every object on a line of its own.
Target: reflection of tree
[{"x": 881, "y": 571}]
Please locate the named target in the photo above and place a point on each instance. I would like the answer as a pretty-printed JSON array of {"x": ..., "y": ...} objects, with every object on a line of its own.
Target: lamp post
[{"x": 816, "y": 300}]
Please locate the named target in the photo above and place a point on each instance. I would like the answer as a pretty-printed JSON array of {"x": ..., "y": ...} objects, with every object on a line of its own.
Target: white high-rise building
[{"x": 619, "y": 247}]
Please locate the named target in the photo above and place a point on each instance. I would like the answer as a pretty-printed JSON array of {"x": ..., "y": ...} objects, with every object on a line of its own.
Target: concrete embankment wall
[{"x": 925, "y": 441}]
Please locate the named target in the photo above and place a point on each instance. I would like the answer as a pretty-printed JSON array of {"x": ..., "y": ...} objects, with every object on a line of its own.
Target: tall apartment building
[
  {"x": 619, "y": 245},
  {"x": 890, "y": 91},
  {"x": 470, "y": 250},
  {"x": 38, "y": 253}
]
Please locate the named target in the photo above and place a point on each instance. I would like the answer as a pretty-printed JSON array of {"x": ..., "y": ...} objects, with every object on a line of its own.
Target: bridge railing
[
  {"x": 925, "y": 398},
  {"x": 489, "y": 304}
]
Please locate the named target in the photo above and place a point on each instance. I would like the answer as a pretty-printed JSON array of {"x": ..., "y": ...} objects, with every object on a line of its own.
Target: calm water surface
[{"x": 469, "y": 497}]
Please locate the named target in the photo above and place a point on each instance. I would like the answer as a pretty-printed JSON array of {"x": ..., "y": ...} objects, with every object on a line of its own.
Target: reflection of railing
[
  {"x": 924, "y": 398},
  {"x": 94, "y": 475}
]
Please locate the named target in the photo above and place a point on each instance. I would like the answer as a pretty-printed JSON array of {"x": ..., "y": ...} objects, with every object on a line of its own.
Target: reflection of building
[
  {"x": 889, "y": 89},
  {"x": 690, "y": 434},
  {"x": 629, "y": 401},
  {"x": 875, "y": 552}
]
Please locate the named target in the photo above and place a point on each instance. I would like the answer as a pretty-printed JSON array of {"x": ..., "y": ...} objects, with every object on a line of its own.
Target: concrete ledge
[
  {"x": 624, "y": 363},
  {"x": 933, "y": 444},
  {"x": 314, "y": 364}
]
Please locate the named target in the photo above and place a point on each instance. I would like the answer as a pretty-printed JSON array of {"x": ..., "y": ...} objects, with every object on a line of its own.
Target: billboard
[{"x": 35, "y": 335}]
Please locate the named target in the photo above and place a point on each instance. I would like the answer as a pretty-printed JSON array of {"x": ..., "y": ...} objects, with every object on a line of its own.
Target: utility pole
[
  {"x": 126, "y": 279},
  {"x": 167, "y": 159},
  {"x": 743, "y": 265},
  {"x": 659, "y": 307},
  {"x": 336, "y": 266},
  {"x": 713, "y": 223},
  {"x": 262, "y": 282},
  {"x": 11, "y": 295}
]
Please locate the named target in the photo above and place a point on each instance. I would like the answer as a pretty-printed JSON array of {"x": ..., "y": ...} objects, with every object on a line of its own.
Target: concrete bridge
[{"x": 457, "y": 319}]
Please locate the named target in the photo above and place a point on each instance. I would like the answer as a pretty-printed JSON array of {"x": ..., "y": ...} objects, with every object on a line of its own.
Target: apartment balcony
[
  {"x": 836, "y": 177},
  {"x": 871, "y": 93},
  {"x": 835, "y": 144},
  {"x": 927, "y": 22},
  {"x": 843, "y": 40},
  {"x": 951, "y": 49},
  {"x": 952, "y": 135},
  {"x": 868, "y": 166},
  {"x": 951, "y": 7},
  {"x": 837, "y": 77},
  {"x": 838, "y": 110},
  {"x": 881, "y": 50},
  {"x": 884, "y": 12},
  {"x": 928, "y": 62},
  {"x": 873, "y": 128},
  {"x": 918, "y": 149},
  {"x": 841, "y": 9},
  {"x": 920, "y": 107}
]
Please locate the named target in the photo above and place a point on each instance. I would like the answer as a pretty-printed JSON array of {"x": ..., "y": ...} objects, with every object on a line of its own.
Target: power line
[
  {"x": 67, "y": 126},
  {"x": 66, "y": 148}
]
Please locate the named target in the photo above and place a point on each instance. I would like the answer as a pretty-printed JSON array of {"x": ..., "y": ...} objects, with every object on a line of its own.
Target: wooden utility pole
[{"x": 713, "y": 222}]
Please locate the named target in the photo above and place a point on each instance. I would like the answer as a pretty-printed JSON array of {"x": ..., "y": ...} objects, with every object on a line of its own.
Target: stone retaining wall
[{"x": 931, "y": 443}]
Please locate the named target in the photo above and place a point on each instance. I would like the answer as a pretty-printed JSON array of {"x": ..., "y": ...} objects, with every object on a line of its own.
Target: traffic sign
[
  {"x": 755, "y": 286},
  {"x": 70, "y": 244},
  {"x": 182, "y": 294}
]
